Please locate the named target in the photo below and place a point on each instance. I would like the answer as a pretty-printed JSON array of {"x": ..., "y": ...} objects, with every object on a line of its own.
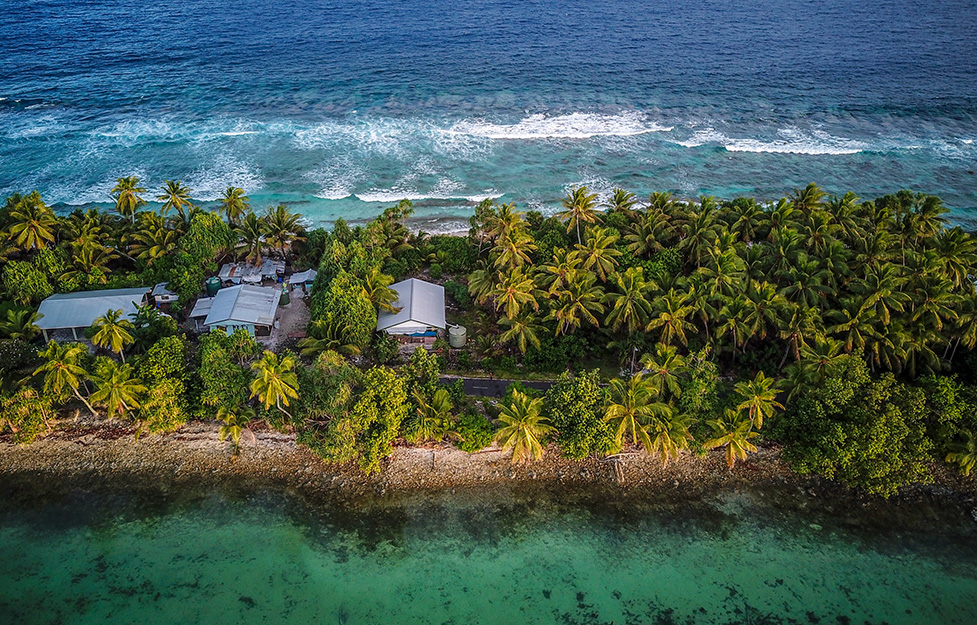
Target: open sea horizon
[{"x": 340, "y": 109}]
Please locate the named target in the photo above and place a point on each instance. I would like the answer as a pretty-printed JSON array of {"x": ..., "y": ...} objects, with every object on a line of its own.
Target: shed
[
  {"x": 306, "y": 277},
  {"x": 163, "y": 295},
  {"x": 79, "y": 310},
  {"x": 247, "y": 307},
  {"x": 421, "y": 311}
]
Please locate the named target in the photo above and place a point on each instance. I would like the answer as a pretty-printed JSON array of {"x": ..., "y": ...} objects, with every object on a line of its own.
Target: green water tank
[
  {"x": 213, "y": 285},
  {"x": 286, "y": 298}
]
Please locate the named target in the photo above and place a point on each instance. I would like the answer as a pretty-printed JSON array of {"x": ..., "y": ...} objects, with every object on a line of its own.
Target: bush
[
  {"x": 458, "y": 292},
  {"x": 459, "y": 253},
  {"x": 574, "y": 406},
  {"x": 384, "y": 348},
  {"x": 436, "y": 271},
  {"x": 475, "y": 430}
]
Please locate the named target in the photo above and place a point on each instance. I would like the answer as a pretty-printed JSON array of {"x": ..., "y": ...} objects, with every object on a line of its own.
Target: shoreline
[{"x": 191, "y": 458}]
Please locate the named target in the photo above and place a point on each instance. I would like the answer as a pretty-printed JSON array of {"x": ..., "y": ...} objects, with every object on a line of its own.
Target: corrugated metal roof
[
  {"x": 244, "y": 304},
  {"x": 82, "y": 308},
  {"x": 303, "y": 276},
  {"x": 201, "y": 308},
  {"x": 419, "y": 301},
  {"x": 162, "y": 289}
]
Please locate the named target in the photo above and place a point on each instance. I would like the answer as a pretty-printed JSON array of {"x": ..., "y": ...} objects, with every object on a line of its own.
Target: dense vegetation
[{"x": 842, "y": 329}]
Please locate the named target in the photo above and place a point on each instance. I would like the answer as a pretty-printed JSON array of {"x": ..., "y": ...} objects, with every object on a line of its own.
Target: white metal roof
[
  {"x": 419, "y": 301},
  {"x": 82, "y": 308},
  {"x": 201, "y": 308},
  {"x": 244, "y": 304},
  {"x": 162, "y": 289},
  {"x": 303, "y": 276}
]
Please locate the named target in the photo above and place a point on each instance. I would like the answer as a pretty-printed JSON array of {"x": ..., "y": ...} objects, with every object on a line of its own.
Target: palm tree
[
  {"x": 672, "y": 310},
  {"x": 176, "y": 197},
  {"x": 630, "y": 306},
  {"x": 236, "y": 422},
  {"x": 821, "y": 359},
  {"x": 759, "y": 398},
  {"x": 523, "y": 329},
  {"x": 326, "y": 335},
  {"x": 669, "y": 434},
  {"x": 665, "y": 368},
  {"x": 808, "y": 199},
  {"x": 433, "y": 418},
  {"x": 89, "y": 264},
  {"x": 559, "y": 271},
  {"x": 579, "y": 207},
  {"x": 154, "y": 242},
  {"x": 21, "y": 324},
  {"x": 956, "y": 253},
  {"x": 282, "y": 227},
  {"x": 512, "y": 249},
  {"x": 733, "y": 431},
  {"x": 234, "y": 204},
  {"x": 964, "y": 453},
  {"x": 276, "y": 381},
  {"x": 763, "y": 304},
  {"x": 629, "y": 408},
  {"x": 622, "y": 201},
  {"x": 32, "y": 223},
  {"x": 599, "y": 255},
  {"x": 116, "y": 388},
  {"x": 125, "y": 193},
  {"x": 735, "y": 312},
  {"x": 515, "y": 291},
  {"x": 797, "y": 325},
  {"x": 882, "y": 290},
  {"x": 62, "y": 370},
  {"x": 376, "y": 287},
  {"x": 113, "y": 332},
  {"x": 579, "y": 303},
  {"x": 251, "y": 233},
  {"x": 854, "y": 325},
  {"x": 524, "y": 427}
]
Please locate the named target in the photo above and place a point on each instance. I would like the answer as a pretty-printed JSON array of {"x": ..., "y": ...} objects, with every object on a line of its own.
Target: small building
[
  {"x": 79, "y": 310},
  {"x": 421, "y": 312},
  {"x": 236, "y": 273},
  {"x": 163, "y": 296},
  {"x": 303, "y": 278},
  {"x": 247, "y": 307}
]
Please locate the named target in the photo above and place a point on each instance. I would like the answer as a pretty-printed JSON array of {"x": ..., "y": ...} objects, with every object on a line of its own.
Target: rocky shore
[{"x": 110, "y": 455}]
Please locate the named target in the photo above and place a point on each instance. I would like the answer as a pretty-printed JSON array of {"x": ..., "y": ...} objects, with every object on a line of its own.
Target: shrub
[
  {"x": 436, "y": 271},
  {"x": 475, "y": 430},
  {"x": 574, "y": 406},
  {"x": 458, "y": 292}
]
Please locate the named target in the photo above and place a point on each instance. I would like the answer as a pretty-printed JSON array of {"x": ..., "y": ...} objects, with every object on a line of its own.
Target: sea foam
[{"x": 571, "y": 126}]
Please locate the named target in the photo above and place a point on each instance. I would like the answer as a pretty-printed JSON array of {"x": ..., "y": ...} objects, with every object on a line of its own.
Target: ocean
[
  {"x": 230, "y": 555},
  {"x": 341, "y": 108}
]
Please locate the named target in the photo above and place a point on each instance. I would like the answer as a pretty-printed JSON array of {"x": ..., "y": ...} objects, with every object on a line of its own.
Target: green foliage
[
  {"x": 163, "y": 407},
  {"x": 327, "y": 389},
  {"x": 475, "y": 431},
  {"x": 868, "y": 433},
  {"x": 575, "y": 407},
  {"x": 344, "y": 304},
  {"x": 151, "y": 326},
  {"x": 700, "y": 388},
  {"x": 456, "y": 254},
  {"x": 223, "y": 382},
  {"x": 367, "y": 432},
  {"x": 25, "y": 283},
  {"x": 421, "y": 373},
  {"x": 436, "y": 271},
  {"x": 459, "y": 294},
  {"x": 25, "y": 413},
  {"x": 166, "y": 359},
  {"x": 554, "y": 352},
  {"x": 384, "y": 348},
  {"x": 207, "y": 236}
]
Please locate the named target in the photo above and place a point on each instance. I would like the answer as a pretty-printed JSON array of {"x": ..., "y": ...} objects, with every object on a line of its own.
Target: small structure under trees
[
  {"x": 79, "y": 310},
  {"x": 420, "y": 311},
  {"x": 251, "y": 308}
]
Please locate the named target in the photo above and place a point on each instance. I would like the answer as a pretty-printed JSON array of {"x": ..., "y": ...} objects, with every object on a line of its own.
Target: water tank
[
  {"x": 457, "y": 336},
  {"x": 285, "y": 298},
  {"x": 213, "y": 285}
]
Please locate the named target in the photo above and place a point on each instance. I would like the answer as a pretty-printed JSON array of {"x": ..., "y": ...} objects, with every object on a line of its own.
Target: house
[
  {"x": 421, "y": 311},
  {"x": 79, "y": 310},
  {"x": 236, "y": 273},
  {"x": 303, "y": 278},
  {"x": 247, "y": 307}
]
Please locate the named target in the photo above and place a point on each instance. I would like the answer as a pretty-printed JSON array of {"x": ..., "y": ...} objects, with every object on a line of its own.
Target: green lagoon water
[{"x": 215, "y": 557}]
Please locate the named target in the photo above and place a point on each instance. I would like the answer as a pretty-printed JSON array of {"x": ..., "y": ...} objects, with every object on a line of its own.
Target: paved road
[{"x": 493, "y": 388}]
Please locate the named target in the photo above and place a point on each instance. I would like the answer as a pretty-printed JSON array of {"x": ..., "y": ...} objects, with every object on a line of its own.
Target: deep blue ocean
[{"x": 340, "y": 108}]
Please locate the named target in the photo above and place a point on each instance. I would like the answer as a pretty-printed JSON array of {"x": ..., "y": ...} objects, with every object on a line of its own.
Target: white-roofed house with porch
[
  {"x": 420, "y": 314},
  {"x": 79, "y": 310},
  {"x": 247, "y": 307}
]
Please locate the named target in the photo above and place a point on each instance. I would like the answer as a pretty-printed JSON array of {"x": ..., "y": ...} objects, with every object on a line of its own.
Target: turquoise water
[
  {"x": 340, "y": 109},
  {"x": 266, "y": 558}
]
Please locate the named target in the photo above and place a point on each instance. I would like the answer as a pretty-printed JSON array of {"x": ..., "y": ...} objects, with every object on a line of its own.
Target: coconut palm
[
  {"x": 733, "y": 316},
  {"x": 599, "y": 255},
  {"x": 882, "y": 291},
  {"x": 114, "y": 332},
  {"x": 733, "y": 431},
  {"x": 251, "y": 233},
  {"x": 670, "y": 318},
  {"x": 822, "y": 358},
  {"x": 233, "y": 204},
  {"x": 235, "y": 423},
  {"x": 175, "y": 196},
  {"x": 512, "y": 249},
  {"x": 630, "y": 406},
  {"x": 629, "y": 307},
  {"x": 763, "y": 304},
  {"x": 700, "y": 231},
  {"x": 125, "y": 194},
  {"x": 964, "y": 454},
  {"x": 116, "y": 388},
  {"x": 153, "y": 242},
  {"x": 808, "y": 199},
  {"x": 523, "y": 330},
  {"x": 326, "y": 335},
  {"x": 32, "y": 223},
  {"x": 88, "y": 264},
  {"x": 798, "y": 324},
  {"x": 276, "y": 381},
  {"x": 665, "y": 369},
  {"x": 515, "y": 291},
  {"x": 669, "y": 434},
  {"x": 282, "y": 228},
  {"x": 956, "y": 253},
  {"x": 20, "y": 324},
  {"x": 759, "y": 398},
  {"x": 376, "y": 287},
  {"x": 579, "y": 207},
  {"x": 579, "y": 303},
  {"x": 63, "y": 371},
  {"x": 622, "y": 201},
  {"x": 556, "y": 275},
  {"x": 434, "y": 419},
  {"x": 524, "y": 428}
]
